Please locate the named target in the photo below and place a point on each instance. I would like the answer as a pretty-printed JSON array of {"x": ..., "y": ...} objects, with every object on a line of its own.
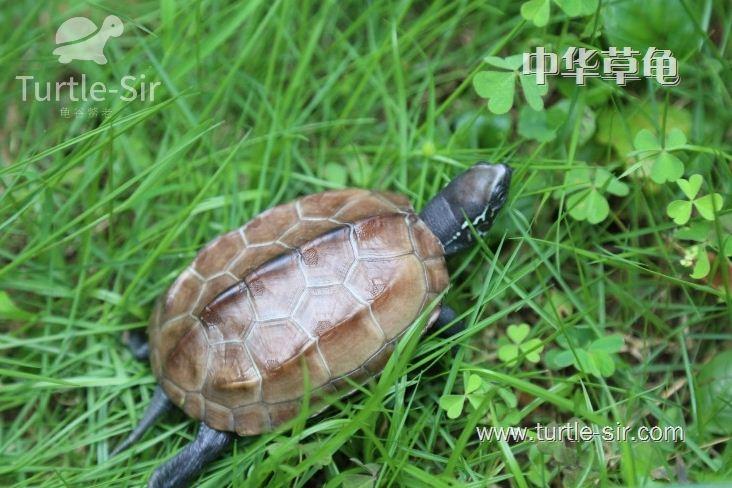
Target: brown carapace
[{"x": 320, "y": 287}]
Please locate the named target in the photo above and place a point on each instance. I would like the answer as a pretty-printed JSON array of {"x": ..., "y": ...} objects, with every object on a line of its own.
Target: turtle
[
  {"x": 79, "y": 38},
  {"x": 314, "y": 292}
]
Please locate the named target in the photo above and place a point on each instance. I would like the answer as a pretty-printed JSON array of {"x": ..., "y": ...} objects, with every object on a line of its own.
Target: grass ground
[{"x": 261, "y": 102}]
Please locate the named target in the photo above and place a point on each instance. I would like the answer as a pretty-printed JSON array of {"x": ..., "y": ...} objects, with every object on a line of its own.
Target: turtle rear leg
[
  {"x": 188, "y": 463},
  {"x": 158, "y": 406},
  {"x": 136, "y": 341}
]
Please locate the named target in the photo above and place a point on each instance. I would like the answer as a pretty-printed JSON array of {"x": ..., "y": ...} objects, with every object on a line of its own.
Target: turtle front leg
[
  {"x": 188, "y": 463},
  {"x": 448, "y": 316},
  {"x": 136, "y": 341}
]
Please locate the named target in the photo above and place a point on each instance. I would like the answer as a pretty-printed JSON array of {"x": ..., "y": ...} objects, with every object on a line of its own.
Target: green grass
[{"x": 263, "y": 102}]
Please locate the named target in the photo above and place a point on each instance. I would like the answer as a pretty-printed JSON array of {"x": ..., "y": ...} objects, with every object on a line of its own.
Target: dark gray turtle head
[{"x": 472, "y": 198}]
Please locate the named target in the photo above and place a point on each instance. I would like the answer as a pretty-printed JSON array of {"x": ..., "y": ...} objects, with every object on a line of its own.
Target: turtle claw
[{"x": 158, "y": 405}]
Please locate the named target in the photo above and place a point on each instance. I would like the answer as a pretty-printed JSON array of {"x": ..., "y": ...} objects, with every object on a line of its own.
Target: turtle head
[
  {"x": 112, "y": 26},
  {"x": 474, "y": 197}
]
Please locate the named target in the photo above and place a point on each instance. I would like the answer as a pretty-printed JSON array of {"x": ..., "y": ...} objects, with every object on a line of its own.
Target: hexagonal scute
[
  {"x": 280, "y": 413},
  {"x": 347, "y": 346},
  {"x": 365, "y": 207},
  {"x": 182, "y": 294},
  {"x": 305, "y": 231},
  {"x": 282, "y": 352},
  {"x": 193, "y": 405},
  {"x": 210, "y": 289},
  {"x": 382, "y": 237},
  {"x": 272, "y": 344},
  {"x": 344, "y": 384},
  {"x": 218, "y": 254},
  {"x": 270, "y": 225},
  {"x": 327, "y": 259},
  {"x": 252, "y": 257},
  {"x": 325, "y": 204},
  {"x": 371, "y": 279},
  {"x": 437, "y": 276},
  {"x": 251, "y": 419},
  {"x": 288, "y": 380},
  {"x": 175, "y": 394},
  {"x": 323, "y": 308},
  {"x": 395, "y": 289},
  {"x": 375, "y": 364},
  {"x": 426, "y": 244},
  {"x": 232, "y": 379},
  {"x": 219, "y": 417},
  {"x": 400, "y": 201},
  {"x": 229, "y": 316},
  {"x": 186, "y": 363},
  {"x": 165, "y": 337},
  {"x": 275, "y": 287}
]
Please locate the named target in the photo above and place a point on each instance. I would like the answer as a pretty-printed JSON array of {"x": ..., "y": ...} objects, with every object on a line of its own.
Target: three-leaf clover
[
  {"x": 697, "y": 257},
  {"x": 476, "y": 390},
  {"x": 538, "y": 11},
  {"x": 544, "y": 125},
  {"x": 587, "y": 187},
  {"x": 665, "y": 166},
  {"x": 680, "y": 210},
  {"x": 499, "y": 87},
  {"x": 517, "y": 346},
  {"x": 704, "y": 233},
  {"x": 595, "y": 358},
  {"x": 453, "y": 404}
]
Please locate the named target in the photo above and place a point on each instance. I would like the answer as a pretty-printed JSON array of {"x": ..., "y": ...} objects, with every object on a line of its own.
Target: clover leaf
[
  {"x": 706, "y": 237},
  {"x": 538, "y": 11},
  {"x": 575, "y": 8},
  {"x": 475, "y": 392},
  {"x": 697, "y": 257},
  {"x": 714, "y": 393},
  {"x": 453, "y": 404},
  {"x": 517, "y": 346},
  {"x": 499, "y": 87},
  {"x": 586, "y": 187},
  {"x": 665, "y": 166},
  {"x": 596, "y": 358},
  {"x": 707, "y": 206},
  {"x": 704, "y": 233}
]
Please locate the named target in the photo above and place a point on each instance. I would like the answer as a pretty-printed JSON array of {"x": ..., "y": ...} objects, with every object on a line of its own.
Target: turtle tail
[{"x": 158, "y": 406}]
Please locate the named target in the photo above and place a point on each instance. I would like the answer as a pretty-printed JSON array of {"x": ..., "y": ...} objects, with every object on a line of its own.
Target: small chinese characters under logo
[{"x": 616, "y": 64}]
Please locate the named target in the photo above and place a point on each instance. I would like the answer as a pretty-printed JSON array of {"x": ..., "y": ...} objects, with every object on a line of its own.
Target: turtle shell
[
  {"x": 323, "y": 285},
  {"x": 75, "y": 29}
]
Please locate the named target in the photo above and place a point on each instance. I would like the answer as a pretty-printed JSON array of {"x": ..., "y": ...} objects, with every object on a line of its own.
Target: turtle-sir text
[{"x": 131, "y": 88}]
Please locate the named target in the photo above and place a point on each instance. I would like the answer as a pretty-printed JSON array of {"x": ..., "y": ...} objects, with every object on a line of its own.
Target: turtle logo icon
[{"x": 79, "y": 38}]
